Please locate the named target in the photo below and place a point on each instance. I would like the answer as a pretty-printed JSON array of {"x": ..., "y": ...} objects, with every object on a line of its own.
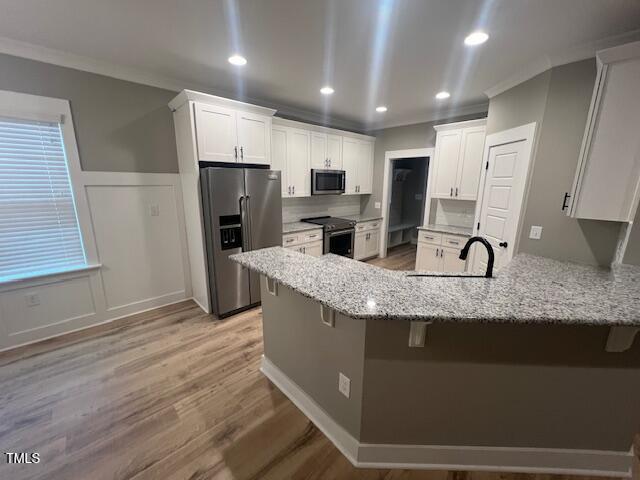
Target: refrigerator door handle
[
  {"x": 244, "y": 220},
  {"x": 247, "y": 207}
]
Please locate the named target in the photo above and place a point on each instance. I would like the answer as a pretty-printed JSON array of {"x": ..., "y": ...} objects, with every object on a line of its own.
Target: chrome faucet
[{"x": 465, "y": 251}]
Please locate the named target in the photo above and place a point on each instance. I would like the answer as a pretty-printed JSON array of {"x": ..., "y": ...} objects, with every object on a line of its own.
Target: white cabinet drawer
[
  {"x": 366, "y": 226},
  {"x": 291, "y": 239},
  {"x": 312, "y": 236},
  {"x": 453, "y": 241},
  {"x": 433, "y": 238}
]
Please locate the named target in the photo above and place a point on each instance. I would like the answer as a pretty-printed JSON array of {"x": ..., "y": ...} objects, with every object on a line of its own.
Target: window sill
[{"x": 4, "y": 284}]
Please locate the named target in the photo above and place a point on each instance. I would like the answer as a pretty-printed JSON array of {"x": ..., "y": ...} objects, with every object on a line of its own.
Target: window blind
[{"x": 39, "y": 231}]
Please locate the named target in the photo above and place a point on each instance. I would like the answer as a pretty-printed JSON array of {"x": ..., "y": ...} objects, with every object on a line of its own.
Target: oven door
[
  {"x": 327, "y": 182},
  {"x": 340, "y": 242}
]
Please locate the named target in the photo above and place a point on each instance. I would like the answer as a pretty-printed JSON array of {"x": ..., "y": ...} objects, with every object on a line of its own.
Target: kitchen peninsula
[{"x": 416, "y": 372}]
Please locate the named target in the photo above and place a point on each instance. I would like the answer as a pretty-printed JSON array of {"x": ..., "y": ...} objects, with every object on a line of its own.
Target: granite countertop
[
  {"x": 294, "y": 227},
  {"x": 361, "y": 218},
  {"x": 466, "y": 231},
  {"x": 529, "y": 289}
]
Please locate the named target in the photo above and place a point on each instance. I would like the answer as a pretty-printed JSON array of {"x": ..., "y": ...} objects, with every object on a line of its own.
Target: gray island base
[{"x": 528, "y": 390}]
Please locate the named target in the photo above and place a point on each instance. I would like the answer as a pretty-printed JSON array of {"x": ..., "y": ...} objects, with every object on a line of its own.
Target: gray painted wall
[
  {"x": 120, "y": 126},
  {"x": 504, "y": 385},
  {"x": 560, "y": 136},
  {"x": 420, "y": 135},
  {"x": 558, "y": 101}
]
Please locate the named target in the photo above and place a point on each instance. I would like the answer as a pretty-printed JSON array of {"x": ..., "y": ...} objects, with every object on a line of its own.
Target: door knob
[{"x": 503, "y": 244}]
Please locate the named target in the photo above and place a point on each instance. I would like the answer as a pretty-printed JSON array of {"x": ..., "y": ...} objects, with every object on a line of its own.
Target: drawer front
[
  {"x": 434, "y": 238},
  {"x": 312, "y": 236},
  {"x": 366, "y": 226},
  {"x": 291, "y": 239},
  {"x": 453, "y": 241}
]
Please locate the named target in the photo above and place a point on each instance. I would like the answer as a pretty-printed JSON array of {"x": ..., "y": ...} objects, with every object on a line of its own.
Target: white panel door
[
  {"x": 254, "y": 138},
  {"x": 501, "y": 202},
  {"x": 216, "y": 133},
  {"x": 366, "y": 168},
  {"x": 299, "y": 162},
  {"x": 446, "y": 168},
  {"x": 470, "y": 163},
  {"x": 319, "y": 156},
  {"x": 428, "y": 258},
  {"x": 451, "y": 262},
  {"x": 350, "y": 160},
  {"x": 334, "y": 151},
  {"x": 279, "y": 156}
]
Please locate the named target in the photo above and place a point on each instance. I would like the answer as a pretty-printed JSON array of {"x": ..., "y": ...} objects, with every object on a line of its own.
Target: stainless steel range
[{"x": 339, "y": 234}]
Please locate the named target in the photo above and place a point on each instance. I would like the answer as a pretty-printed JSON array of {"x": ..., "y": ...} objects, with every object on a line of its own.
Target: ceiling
[{"x": 399, "y": 53}]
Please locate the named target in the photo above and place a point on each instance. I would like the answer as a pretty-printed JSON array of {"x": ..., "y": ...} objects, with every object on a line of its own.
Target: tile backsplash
[
  {"x": 293, "y": 209},
  {"x": 459, "y": 213}
]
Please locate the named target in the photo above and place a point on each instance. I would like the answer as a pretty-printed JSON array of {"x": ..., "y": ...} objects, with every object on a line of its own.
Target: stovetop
[{"x": 331, "y": 223}]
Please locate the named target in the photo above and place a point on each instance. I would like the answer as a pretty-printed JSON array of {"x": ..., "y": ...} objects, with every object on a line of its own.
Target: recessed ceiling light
[
  {"x": 237, "y": 60},
  {"x": 326, "y": 90},
  {"x": 442, "y": 95},
  {"x": 476, "y": 38},
  {"x": 381, "y": 109}
]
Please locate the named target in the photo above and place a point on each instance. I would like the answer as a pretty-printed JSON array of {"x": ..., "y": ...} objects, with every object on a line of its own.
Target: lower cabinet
[
  {"x": 309, "y": 242},
  {"x": 440, "y": 253},
  {"x": 367, "y": 240}
]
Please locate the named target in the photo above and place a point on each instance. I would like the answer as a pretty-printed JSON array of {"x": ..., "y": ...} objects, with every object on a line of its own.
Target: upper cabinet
[
  {"x": 228, "y": 131},
  {"x": 298, "y": 147},
  {"x": 458, "y": 160},
  {"x": 357, "y": 162},
  {"x": 607, "y": 182},
  {"x": 326, "y": 151}
]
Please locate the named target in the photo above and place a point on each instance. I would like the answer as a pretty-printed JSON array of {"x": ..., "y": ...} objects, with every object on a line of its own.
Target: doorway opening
[{"x": 405, "y": 190}]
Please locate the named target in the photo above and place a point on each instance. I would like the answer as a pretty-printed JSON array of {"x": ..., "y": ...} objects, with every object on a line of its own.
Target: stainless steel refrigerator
[{"x": 242, "y": 210}]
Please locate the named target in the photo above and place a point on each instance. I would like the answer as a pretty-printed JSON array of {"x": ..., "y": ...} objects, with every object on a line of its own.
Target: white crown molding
[
  {"x": 570, "y": 55},
  {"x": 433, "y": 116}
]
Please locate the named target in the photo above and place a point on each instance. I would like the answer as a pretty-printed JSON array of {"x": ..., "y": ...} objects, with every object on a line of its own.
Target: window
[{"x": 39, "y": 232}]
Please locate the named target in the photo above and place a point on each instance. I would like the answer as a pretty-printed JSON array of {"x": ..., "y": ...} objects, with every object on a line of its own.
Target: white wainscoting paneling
[{"x": 136, "y": 229}]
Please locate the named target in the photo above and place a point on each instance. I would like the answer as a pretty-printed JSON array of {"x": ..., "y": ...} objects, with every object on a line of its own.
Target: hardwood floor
[
  {"x": 402, "y": 257},
  {"x": 168, "y": 394}
]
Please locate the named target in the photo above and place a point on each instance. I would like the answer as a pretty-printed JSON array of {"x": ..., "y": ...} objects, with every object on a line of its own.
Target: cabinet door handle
[
  {"x": 235, "y": 152},
  {"x": 503, "y": 244},
  {"x": 451, "y": 192},
  {"x": 242, "y": 153},
  {"x": 456, "y": 191},
  {"x": 565, "y": 205},
  {"x": 293, "y": 189},
  {"x": 304, "y": 249},
  {"x": 289, "y": 189},
  {"x": 437, "y": 252}
]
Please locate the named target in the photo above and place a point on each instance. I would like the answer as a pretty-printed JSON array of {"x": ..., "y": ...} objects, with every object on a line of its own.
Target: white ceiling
[{"x": 393, "y": 52}]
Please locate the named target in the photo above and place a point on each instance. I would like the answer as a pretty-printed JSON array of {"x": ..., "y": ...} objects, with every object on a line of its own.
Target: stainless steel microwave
[{"x": 327, "y": 182}]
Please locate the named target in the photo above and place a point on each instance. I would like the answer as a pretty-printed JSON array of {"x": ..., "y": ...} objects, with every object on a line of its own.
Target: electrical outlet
[
  {"x": 154, "y": 210},
  {"x": 377, "y": 205},
  {"x": 536, "y": 232},
  {"x": 344, "y": 384},
  {"x": 32, "y": 300}
]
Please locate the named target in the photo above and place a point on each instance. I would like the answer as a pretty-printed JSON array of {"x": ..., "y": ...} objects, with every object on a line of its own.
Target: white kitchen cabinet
[
  {"x": 227, "y": 135},
  {"x": 607, "y": 181},
  {"x": 367, "y": 240},
  {"x": 458, "y": 160},
  {"x": 326, "y": 151},
  {"x": 428, "y": 258},
  {"x": 308, "y": 242},
  {"x": 357, "y": 162},
  {"x": 279, "y": 156},
  {"x": 438, "y": 252}
]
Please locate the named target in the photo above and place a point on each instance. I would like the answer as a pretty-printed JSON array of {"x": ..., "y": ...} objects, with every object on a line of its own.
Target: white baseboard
[{"x": 441, "y": 457}]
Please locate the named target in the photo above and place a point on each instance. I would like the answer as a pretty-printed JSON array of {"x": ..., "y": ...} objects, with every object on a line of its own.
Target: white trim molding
[
  {"x": 389, "y": 156},
  {"x": 451, "y": 457}
]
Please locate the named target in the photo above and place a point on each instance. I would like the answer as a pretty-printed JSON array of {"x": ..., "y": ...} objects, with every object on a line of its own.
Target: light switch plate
[
  {"x": 377, "y": 205},
  {"x": 536, "y": 232},
  {"x": 344, "y": 384},
  {"x": 154, "y": 210}
]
